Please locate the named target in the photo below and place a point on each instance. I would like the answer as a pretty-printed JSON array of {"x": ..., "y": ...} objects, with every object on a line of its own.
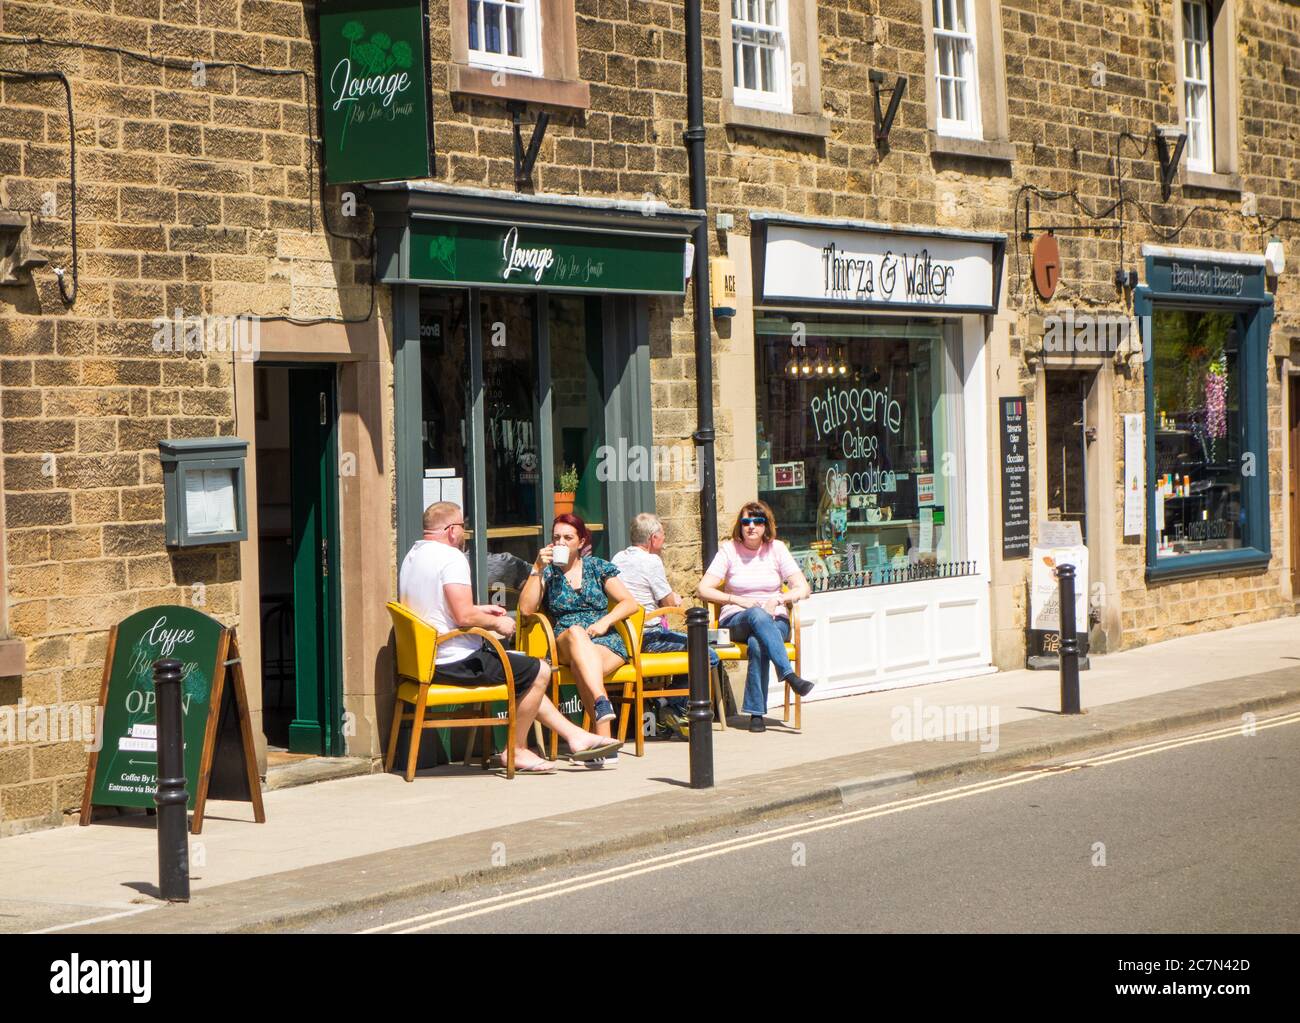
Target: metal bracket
[
  {"x": 524, "y": 160},
  {"x": 1168, "y": 163},
  {"x": 885, "y": 121},
  {"x": 17, "y": 257}
]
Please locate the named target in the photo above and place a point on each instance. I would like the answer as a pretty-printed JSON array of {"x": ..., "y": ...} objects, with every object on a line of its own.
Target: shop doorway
[
  {"x": 297, "y": 515},
  {"x": 1293, "y": 484},
  {"x": 1066, "y": 402}
]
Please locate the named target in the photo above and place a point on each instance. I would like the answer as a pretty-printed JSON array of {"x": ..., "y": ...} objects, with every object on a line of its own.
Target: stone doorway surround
[{"x": 368, "y": 575}]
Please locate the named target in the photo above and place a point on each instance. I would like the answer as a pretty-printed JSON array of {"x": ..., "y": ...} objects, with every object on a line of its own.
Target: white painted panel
[
  {"x": 853, "y": 645},
  {"x": 958, "y": 625},
  {"x": 907, "y": 636}
]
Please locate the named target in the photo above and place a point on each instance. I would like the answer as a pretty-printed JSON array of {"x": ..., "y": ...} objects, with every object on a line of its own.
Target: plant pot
[{"x": 564, "y": 501}]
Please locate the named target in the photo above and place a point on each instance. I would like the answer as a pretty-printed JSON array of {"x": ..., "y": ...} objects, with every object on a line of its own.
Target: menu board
[{"x": 1015, "y": 478}]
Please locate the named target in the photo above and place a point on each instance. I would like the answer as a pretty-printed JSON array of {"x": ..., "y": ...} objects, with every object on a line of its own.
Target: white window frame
[
  {"x": 782, "y": 98},
  {"x": 1198, "y": 89},
  {"x": 962, "y": 43},
  {"x": 530, "y": 61}
]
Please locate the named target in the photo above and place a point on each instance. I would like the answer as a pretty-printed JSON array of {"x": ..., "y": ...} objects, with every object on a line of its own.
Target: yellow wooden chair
[
  {"x": 535, "y": 636},
  {"x": 740, "y": 652},
  {"x": 664, "y": 665},
  {"x": 417, "y": 648}
]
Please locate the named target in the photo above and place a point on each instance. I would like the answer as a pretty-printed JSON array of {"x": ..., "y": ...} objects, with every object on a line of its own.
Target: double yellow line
[{"x": 570, "y": 886}]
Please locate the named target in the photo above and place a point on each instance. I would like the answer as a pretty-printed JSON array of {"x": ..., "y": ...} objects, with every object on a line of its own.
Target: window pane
[
  {"x": 851, "y": 428},
  {"x": 515, "y": 31},
  {"x": 959, "y": 11},
  {"x": 578, "y": 406},
  {"x": 444, "y": 372},
  {"x": 473, "y": 24},
  {"x": 768, "y": 79},
  {"x": 1199, "y": 432},
  {"x": 510, "y": 456},
  {"x": 492, "y": 27}
]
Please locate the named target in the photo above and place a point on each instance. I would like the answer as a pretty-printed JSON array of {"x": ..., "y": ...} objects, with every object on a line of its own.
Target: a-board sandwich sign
[{"x": 219, "y": 759}]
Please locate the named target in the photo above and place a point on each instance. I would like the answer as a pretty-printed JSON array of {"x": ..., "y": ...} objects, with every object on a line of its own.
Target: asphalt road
[{"x": 1202, "y": 836}]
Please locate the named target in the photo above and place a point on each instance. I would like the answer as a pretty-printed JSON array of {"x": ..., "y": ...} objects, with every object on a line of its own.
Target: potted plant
[{"x": 567, "y": 490}]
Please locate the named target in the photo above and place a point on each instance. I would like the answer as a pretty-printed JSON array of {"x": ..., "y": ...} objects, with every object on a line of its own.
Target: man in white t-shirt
[
  {"x": 435, "y": 584},
  {"x": 641, "y": 567}
]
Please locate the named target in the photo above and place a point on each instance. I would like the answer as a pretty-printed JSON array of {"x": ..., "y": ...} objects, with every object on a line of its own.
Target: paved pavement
[
  {"x": 328, "y": 845},
  {"x": 1197, "y": 835}
]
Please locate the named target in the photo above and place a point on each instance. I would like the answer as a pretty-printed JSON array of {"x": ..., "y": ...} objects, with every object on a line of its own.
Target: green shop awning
[{"x": 433, "y": 234}]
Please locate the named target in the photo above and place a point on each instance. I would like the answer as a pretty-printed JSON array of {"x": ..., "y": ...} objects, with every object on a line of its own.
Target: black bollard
[
  {"x": 171, "y": 798},
  {"x": 1069, "y": 655},
  {"x": 701, "y": 704}
]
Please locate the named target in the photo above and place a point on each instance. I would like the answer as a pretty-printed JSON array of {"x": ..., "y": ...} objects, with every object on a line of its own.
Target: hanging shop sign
[
  {"x": 375, "y": 102},
  {"x": 521, "y": 255},
  {"x": 1047, "y": 265},
  {"x": 877, "y": 268}
]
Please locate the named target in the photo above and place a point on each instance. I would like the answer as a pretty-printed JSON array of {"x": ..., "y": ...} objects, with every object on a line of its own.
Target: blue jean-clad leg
[{"x": 765, "y": 637}]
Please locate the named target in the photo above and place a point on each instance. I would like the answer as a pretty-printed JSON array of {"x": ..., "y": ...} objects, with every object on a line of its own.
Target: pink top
[{"x": 747, "y": 573}]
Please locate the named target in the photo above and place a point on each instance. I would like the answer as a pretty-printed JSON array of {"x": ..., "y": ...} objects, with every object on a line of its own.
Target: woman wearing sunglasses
[{"x": 746, "y": 577}]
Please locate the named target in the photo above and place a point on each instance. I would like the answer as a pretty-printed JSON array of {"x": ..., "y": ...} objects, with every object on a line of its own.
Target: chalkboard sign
[
  {"x": 219, "y": 762},
  {"x": 1015, "y": 478}
]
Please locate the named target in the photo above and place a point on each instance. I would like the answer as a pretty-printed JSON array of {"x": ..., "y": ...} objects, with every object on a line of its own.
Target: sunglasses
[{"x": 756, "y": 520}]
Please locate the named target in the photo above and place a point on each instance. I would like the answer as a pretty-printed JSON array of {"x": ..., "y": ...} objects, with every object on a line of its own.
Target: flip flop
[
  {"x": 544, "y": 767},
  {"x": 603, "y": 749}
]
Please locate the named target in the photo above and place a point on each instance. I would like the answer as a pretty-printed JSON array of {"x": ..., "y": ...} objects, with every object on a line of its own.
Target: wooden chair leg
[
  {"x": 417, "y": 731},
  {"x": 470, "y": 743},
  {"x": 391, "y": 755},
  {"x": 715, "y": 686},
  {"x": 638, "y": 699},
  {"x": 540, "y": 738},
  {"x": 624, "y": 708},
  {"x": 785, "y": 707},
  {"x": 798, "y": 700},
  {"x": 489, "y": 747}
]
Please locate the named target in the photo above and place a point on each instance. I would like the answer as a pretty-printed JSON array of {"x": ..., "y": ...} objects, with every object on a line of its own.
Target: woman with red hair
[{"x": 574, "y": 591}]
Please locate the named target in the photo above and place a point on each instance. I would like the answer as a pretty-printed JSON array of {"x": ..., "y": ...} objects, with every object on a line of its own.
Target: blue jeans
[
  {"x": 663, "y": 641},
  {"x": 765, "y": 636}
]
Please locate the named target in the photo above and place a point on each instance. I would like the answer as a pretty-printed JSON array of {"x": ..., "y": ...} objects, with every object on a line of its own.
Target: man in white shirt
[
  {"x": 641, "y": 567},
  {"x": 435, "y": 584}
]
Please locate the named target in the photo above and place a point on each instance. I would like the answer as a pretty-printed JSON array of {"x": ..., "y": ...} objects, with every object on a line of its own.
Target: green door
[{"x": 317, "y": 723}]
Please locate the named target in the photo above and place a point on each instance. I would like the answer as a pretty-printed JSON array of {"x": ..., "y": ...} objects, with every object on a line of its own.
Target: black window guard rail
[{"x": 888, "y": 576}]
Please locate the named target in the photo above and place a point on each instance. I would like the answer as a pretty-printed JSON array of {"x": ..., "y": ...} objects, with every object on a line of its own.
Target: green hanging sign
[
  {"x": 509, "y": 255},
  {"x": 375, "y": 101}
]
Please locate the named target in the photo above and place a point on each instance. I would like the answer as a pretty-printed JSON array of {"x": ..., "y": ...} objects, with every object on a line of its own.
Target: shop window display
[
  {"x": 1199, "y": 432},
  {"x": 857, "y": 447}
]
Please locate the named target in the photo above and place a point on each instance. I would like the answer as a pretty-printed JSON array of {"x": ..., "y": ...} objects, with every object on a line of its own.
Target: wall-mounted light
[{"x": 1274, "y": 257}]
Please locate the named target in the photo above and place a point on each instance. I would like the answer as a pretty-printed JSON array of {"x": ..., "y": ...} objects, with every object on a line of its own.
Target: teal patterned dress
[{"x": 568, "y": 607}]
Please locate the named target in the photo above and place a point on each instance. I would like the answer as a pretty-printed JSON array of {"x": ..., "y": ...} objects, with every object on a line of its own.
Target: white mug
[{"x": 559, "y": 555}]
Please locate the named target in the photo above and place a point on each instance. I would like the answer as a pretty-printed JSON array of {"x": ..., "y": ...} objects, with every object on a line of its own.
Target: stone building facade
[{"x": 198, "y": 193}]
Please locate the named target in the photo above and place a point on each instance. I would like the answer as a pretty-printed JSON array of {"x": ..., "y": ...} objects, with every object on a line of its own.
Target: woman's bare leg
[{"x": 590, "y": 663}]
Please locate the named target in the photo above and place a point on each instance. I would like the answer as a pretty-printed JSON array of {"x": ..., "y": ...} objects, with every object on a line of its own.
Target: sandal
[
  {"x": 541, "y": 767},
  {"x": 599, "y": 750}
]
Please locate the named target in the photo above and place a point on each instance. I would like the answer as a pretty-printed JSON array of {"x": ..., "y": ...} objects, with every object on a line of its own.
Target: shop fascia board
[
  {"x": 845, "y": 224},
  {"x": 760, "y": 219},
  {"x": 396, "y": 201},
  {"x": 1203, "y": 255}
]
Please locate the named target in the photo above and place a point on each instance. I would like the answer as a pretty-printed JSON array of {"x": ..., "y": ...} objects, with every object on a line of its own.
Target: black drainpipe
[{"x": 704, "y": 434}]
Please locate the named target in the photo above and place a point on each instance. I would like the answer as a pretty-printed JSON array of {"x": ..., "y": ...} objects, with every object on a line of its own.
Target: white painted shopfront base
[{"x": 889, "y": 637}]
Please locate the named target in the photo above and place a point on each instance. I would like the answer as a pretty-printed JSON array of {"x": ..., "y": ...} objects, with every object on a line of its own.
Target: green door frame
[{"x": 313, "y": 456}]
